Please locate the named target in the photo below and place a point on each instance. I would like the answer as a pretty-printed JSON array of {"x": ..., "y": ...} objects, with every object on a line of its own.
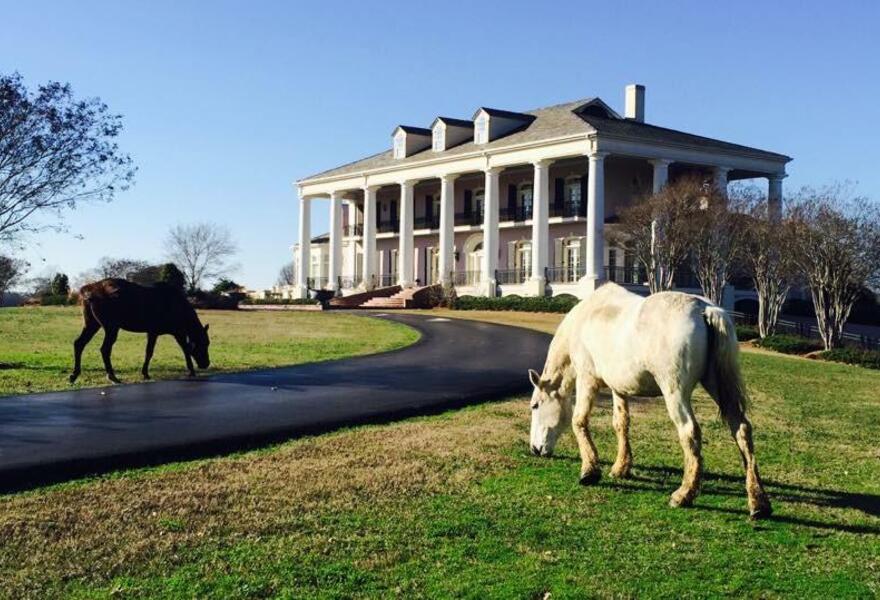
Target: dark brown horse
[{"x": 116, "y": 304}]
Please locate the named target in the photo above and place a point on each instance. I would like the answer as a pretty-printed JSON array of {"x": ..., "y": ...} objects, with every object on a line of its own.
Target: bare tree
[
  {"x": 656, "y": 231},
  {"x": 202, "y": 251},
  {"x": 715, "y": 239},
  {"x": 287, "y": 274},
  {"x": 11, "y": 271},
  {"x": 836, "y": 245},
  {"x": 766, "y": 256},
  {"x": 55, "y": 152}
]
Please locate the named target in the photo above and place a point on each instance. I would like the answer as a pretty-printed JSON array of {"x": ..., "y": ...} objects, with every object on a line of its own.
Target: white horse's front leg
[
  {"x": 586, "y": 397},
  {"x": 622, "y": 467}
]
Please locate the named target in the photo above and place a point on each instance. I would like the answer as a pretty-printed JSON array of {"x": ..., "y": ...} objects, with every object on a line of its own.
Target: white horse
[{"x": 660, "y": 345}]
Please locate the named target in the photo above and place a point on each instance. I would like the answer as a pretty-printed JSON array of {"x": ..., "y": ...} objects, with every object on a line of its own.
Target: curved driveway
[{"x": 61, "y": 435}]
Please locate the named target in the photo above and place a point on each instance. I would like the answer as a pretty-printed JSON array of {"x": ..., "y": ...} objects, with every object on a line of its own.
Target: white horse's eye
[{"x": 534, "y": 406}]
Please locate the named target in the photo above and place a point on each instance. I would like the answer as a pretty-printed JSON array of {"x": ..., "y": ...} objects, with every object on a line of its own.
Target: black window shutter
[
  {"x": 511, "y": 197},
  {"x": 429, "y": 208},
  {"x": 559, "y": 199},
  {"x": 468, "y": 202},
  {"x": 583, "y": 210}
]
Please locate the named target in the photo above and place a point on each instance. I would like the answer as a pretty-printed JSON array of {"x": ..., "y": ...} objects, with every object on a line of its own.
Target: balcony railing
[
  {"x": 353, "y": 230},
  {"x": 388, "y": 226},
  {"x": 511, "y": 276},
  {"x": 317, "y": 283},
  {"x": 426, "y": 223},
  {"x": 627, "y": 275},
  {"x": 471, "y": 218},
  {"x": 465, "y": 278},
  {"x": 566, "y": 274},
  {"x": 568, "y": 209},
  {"x": 520, "y": 213},
  {"x": 387, "y": 279},
  {"x": 347, "y": 283}
]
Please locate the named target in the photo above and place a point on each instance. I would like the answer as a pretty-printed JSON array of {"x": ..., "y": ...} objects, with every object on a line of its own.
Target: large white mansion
[{"x": 506, "y": 202}]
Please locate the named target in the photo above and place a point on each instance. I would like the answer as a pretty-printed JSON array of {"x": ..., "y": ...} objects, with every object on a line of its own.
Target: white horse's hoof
[{"x": 681, "y": 499}]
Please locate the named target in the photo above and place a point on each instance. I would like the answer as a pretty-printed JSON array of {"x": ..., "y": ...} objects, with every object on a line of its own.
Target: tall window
[
  {"x": 525, "y": 200},
  {"x": 481, "y": 129},
  {"x": 479, "y": 202},
  {"x": 523, "y": 262},
  {"x": 573, "y": 195},
  {"x": 400, "y": 145}
]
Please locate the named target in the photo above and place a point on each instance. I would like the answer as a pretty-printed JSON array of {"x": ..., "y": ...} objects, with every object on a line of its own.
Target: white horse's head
[{"x": 551, "y": 412}]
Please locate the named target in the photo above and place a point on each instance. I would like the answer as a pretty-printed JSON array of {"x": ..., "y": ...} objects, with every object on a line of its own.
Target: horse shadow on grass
[{"x": 658, "y": 479}]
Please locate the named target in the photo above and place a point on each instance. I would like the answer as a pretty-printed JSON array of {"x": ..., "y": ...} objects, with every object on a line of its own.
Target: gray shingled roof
[{"x": 551, "y": 122}]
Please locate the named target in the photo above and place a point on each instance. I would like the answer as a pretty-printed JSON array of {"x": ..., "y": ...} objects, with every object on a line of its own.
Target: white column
[
  {"x": 774, "y": 195},
  {"x": 490, "y": 232},
  {"x": 335, "y": 263},
  {"x": 447, "y": 227},
  {"x": 540, "y": 226},
  {"x": 405, "y": 275},
  {"x": 304, "y": 258},
  {"x": 596, "y": 220},
  {"x": 661, "y": 173},
  {"x": 719, "y": 176},
  {"x": 369, "y": 256},
  {"x": 352, "y": 244}
]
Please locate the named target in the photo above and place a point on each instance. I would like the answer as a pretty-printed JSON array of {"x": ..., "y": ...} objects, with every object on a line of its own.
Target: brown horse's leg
[
  {"x": 110, "y": 334},
  {"x": 148, "y": 355},
  {"x": 181, "y": 341},
  {"x": 586, "y": 396},
  {"x": 741, "y": 429},
  {"x": 90, "y": 328},
  {"x": 679, "y": 407},
  {"x": 622, "y": 467}
]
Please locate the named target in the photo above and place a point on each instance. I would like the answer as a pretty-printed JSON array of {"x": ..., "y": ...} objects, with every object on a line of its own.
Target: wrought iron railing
[
  {"x": 627, "y": 275},
  {"x": 353, "y": 230},
  {"x": 520, "y": 213},
  {"x": 347, "y": 283},
  {"x": 317, "y": 283},
  {"x": 388, "y": 226},
  {"x": 426, "y": 223},
  {"x": 565, "y": 274},
  {"x": 387, "y": 279},
  {"x": 471, "y": 218},
  {"x": 568, "y": 209},
  {"x": 511, "y": 276},
  {"x": 465, "y": 278}
]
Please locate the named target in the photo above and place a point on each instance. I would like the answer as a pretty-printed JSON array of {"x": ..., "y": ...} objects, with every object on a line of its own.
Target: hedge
[
  {"x": 744, "y": 333},
  {"x": 556, "y": 304},
  {"x": 854, "y": 356},
  {"x": 790, "y": 344}
]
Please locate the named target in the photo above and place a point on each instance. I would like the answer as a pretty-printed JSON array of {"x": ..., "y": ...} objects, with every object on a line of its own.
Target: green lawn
[
  {"x": 454, "y": 506},
  {"x": 36, "y": 345}
]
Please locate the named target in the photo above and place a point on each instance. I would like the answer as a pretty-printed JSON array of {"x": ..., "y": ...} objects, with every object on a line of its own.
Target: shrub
[
  {"x": 557, "y": 304},
  {"x": 56, "y": 300},
  {"x": 744, "y": 333},
  {"x": 854, "y": 356},
  {"x": 790, "y": 344}
]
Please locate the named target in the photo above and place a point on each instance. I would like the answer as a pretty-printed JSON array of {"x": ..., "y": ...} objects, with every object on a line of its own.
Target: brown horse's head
[{"x": 198, "y": 342}]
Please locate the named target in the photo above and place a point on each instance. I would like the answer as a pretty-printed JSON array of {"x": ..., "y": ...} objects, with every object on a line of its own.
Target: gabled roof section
[
  {"x": 504, "y": 114},
  {"x": 411, "y": 129},
  {"x": 454, "y": 122},
  {"x": 595, "y": 106}
]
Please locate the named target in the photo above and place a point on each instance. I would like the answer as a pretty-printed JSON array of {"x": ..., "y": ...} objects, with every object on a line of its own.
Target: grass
[
  {"x": 36, "y": 351},
  {"x": 454, "y": 506}
]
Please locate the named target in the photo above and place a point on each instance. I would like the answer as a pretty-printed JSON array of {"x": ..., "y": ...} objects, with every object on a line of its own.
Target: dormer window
[
  {"x": 400, "y": 145},
  {"x": 481, "y": 129},
  {"x": 438, "y": 138}
]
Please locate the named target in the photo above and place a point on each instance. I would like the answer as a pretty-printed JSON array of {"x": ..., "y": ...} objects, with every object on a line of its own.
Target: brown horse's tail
[{"x": 722, "y": 378}]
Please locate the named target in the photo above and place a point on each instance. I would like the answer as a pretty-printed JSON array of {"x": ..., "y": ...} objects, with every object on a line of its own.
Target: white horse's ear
[{"x": 534, "y": 378}]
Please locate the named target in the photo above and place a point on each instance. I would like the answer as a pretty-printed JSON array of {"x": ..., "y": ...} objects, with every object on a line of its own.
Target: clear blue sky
[{"x": 227, "y": 103}]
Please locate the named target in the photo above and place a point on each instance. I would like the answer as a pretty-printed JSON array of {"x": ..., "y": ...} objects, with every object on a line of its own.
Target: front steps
[{"x": 407, "y": 298}]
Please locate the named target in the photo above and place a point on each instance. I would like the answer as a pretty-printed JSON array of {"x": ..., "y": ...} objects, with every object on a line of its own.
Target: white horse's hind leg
[
  {"x": 586, "y": 397},
  {"x": 759, "y": 502},
  {"x": 678, "y": 404},
  {"x": 622, "y": 467}
]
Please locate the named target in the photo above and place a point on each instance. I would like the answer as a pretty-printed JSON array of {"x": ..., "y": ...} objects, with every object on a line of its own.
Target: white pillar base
[
  {"x": 489, "y": 288},
  {"x": 587, "y": 285},
  {"x": 406, "y": 284},
  {"x": 300, "y": 292},
  {"x": 535, "y": 286}
]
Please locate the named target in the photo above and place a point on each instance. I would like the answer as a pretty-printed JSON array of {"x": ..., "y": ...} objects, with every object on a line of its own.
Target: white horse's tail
[{"x": 722, "y": 378}]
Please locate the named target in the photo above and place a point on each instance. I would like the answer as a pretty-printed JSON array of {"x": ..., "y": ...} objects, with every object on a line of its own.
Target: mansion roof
[{"x": 553, "y": 122}]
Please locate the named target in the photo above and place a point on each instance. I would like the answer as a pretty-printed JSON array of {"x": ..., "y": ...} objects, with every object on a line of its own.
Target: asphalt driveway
[{"x": 63, "y": 435}]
